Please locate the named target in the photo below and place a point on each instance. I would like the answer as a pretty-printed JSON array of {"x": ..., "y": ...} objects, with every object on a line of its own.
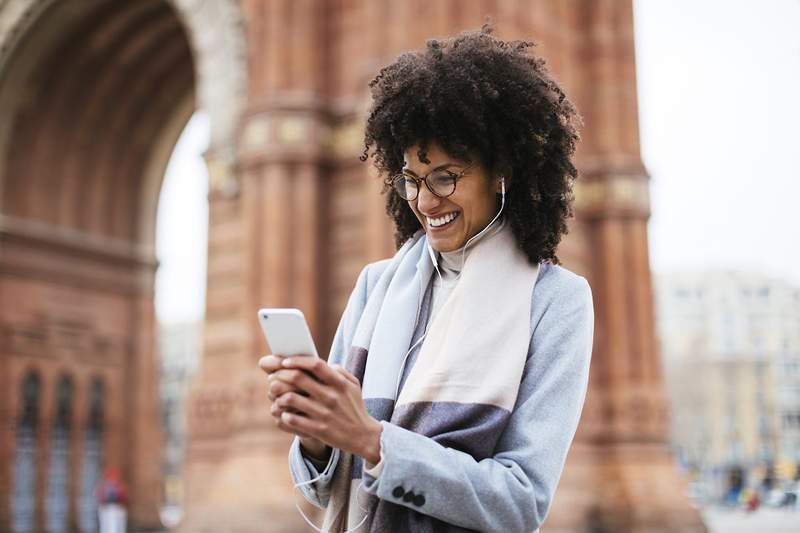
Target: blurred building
[
  {"x": 730, "y": 345},
  {"x": 93, "y": 96}
]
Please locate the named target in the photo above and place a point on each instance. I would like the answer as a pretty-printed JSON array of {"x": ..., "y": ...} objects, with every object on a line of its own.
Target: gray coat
[{"x": 511, "y": 490}]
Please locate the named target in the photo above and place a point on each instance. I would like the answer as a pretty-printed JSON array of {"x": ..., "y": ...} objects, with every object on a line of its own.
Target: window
[
  {"x": 92, "y": 458},
  {"x": 791, "y": 420},
  {"x": 763, "y": 426},
  {"x": 58, "y": 466},
  {"x": 734, "y": 452},
  {"x": 23, "y": 490}
]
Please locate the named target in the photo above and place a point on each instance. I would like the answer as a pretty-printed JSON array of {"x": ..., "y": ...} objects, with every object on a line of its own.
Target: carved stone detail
[
  {"x": 616, "y": 193},
  {"x": 63, "y": 340},
  {"x": 16, "y": 16},
  {"x": 217, "y": 36}
]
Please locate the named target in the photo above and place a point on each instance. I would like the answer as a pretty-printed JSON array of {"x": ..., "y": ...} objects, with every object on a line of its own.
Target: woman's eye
[{"x": 444, "y": 178}]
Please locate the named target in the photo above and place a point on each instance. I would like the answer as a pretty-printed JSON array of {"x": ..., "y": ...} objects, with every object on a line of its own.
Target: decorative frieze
[
  {"x": 617, "y": 193},
  {"x": 64, "y": 339}
]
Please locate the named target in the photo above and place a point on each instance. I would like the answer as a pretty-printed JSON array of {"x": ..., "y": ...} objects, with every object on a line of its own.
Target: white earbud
[{"x": 479, "y": 235}]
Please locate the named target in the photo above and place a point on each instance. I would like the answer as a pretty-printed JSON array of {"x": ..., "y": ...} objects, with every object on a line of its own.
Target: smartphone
[{"x": 286, "y": 331}]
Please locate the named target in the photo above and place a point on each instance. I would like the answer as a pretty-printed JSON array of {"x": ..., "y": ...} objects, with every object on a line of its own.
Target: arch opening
[{"x": 94, "y": 95}]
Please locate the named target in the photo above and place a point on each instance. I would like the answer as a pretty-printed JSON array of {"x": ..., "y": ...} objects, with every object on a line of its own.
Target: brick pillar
[
  {"x": 620, "y": 474},
  {"x": 144, "y": 437},
  {"x": 265, "y": 226}
]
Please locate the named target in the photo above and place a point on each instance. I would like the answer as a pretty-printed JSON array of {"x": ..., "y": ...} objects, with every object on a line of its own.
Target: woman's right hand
[{"x": 270, "y": 364}]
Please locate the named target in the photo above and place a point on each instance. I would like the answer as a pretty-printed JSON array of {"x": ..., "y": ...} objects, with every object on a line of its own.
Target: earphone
[
  {"x": 432, "y": 254},
  {"x": 405, "y": 359},
  {"x": 308, "y": 520}
]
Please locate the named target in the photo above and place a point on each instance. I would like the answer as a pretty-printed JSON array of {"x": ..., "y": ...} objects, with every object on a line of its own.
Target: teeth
[{"x": 441, "y": 221}]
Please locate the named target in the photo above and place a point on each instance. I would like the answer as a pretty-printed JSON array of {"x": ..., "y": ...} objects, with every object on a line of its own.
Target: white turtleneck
[{"x": 449, "y": 269}]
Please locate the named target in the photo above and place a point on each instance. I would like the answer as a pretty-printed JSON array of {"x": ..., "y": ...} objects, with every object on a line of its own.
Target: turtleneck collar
[{"x": 451, "y": 263}]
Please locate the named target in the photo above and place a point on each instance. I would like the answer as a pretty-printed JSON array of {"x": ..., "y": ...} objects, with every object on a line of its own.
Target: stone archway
[{"x": 93, "y": 95}]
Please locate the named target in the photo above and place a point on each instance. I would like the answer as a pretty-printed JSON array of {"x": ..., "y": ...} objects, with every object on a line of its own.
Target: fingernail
[{"x": 286, "y": 362}]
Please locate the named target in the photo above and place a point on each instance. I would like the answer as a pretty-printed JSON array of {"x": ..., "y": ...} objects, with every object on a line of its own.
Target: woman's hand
[
  {"x": 327, "y": 407},
  {"x": 270, "y": 364}
]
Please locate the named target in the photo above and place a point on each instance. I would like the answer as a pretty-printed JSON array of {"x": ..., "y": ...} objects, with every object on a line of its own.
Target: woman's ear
[{"x": 500, "y": 185}]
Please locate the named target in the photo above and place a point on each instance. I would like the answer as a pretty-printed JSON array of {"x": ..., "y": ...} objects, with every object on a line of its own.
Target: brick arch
[
  {"x": 82, "y": 135},
  {"x": 75, "y": 80},
  {"x": 94, "y": 95}
]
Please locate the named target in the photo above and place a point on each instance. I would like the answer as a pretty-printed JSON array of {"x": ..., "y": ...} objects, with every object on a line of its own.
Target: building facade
[
  {"x": 731, "y": 352},
  {"x": 93, "y": 95}
]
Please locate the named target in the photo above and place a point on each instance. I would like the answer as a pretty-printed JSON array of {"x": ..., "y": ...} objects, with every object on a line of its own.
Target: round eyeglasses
[{"x": 440, "y": 181}]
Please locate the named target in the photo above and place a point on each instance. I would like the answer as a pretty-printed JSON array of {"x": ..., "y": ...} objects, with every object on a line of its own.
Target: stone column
[
  {"x": 144, "y": 435},
  {"x": 620, "y": 473},
  {"x": 265, "y": 221}
]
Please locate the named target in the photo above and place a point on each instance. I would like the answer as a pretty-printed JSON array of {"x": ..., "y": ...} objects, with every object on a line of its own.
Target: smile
[{"x": 443, "y": 220}]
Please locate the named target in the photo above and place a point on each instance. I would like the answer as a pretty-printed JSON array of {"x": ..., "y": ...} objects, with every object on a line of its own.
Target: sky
[
  {"x": 182, "y": 228},
  {"x": 719, "y": 111}
]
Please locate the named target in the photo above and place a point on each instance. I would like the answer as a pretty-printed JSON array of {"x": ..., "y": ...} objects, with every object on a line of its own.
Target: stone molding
[
  {"x": 16, "y": 17},
  {"x": 217, "y": 36}
]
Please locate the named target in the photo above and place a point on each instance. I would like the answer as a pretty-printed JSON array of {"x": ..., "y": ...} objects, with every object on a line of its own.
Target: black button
[
  {"x": 419, "y": 500},
  {"x": 408, "y": 497},
  {"x": 398, "y": 492}
]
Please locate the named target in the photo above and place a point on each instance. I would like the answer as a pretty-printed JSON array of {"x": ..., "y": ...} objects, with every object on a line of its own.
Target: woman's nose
[{"x": 426, "y": 200}]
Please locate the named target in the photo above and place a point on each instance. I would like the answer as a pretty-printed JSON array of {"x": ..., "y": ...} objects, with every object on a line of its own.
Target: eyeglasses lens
[{"x": 442, "y": 184}]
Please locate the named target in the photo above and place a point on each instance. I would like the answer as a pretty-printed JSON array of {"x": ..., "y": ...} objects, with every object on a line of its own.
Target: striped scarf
[{"x": 464, "y": 384}]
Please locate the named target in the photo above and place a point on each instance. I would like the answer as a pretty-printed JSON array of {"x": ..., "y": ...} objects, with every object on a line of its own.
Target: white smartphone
[{"x": 287, "y": 332}]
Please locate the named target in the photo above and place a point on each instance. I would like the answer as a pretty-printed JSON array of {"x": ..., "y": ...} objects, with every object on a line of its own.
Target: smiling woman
[
  {"x": 460, "y": 366},
  {"x": 493, "y": 104},
  {"x": 451, "y": 209}
]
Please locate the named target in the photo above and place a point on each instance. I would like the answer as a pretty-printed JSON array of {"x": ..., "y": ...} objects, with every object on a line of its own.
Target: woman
[{"x": 466, "y": 355}]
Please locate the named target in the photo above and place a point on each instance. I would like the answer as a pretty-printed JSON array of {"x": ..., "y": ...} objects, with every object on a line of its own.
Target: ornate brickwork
[
  {"x": 216, "y": 31},
  {"x": 91, "y": 94}
]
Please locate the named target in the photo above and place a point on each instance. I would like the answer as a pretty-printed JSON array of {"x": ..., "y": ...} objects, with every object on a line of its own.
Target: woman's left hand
[{"x": 333, "y": 411}]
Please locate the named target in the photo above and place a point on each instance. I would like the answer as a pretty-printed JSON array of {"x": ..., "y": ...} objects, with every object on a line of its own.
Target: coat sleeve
[
  {"x": 304, "y": 469},
  {"x": 512, "y": 490}
]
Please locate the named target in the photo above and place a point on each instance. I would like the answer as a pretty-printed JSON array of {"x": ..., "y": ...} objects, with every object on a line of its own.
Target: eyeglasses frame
[{"x": 417, "y": 179}]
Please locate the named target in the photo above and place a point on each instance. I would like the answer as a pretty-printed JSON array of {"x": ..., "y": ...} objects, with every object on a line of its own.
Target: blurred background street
[{"x": 765, "y": 520}]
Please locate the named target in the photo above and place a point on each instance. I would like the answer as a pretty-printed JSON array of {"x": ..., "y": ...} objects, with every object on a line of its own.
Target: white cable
[
  {"x": 489, "y": 225},
  {"x": 308, "y": 520},
  {"x": 402, "y": 367},
  {"x": 434, "y": 261},
  {"x": 484, "y": 230}
]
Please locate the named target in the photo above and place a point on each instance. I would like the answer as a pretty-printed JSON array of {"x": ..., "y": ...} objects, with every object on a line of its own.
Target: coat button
[
  {"x": 398, "y": 492},
  {"x": 419, "y": 500},
  {"x": 409, "y": 496}
]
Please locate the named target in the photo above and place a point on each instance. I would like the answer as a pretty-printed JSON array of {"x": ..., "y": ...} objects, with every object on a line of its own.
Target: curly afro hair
[{"x": 478, "y": 96}]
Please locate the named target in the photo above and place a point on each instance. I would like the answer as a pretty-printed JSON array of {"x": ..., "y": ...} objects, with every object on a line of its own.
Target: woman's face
[{"x": 473, "y": 204}]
